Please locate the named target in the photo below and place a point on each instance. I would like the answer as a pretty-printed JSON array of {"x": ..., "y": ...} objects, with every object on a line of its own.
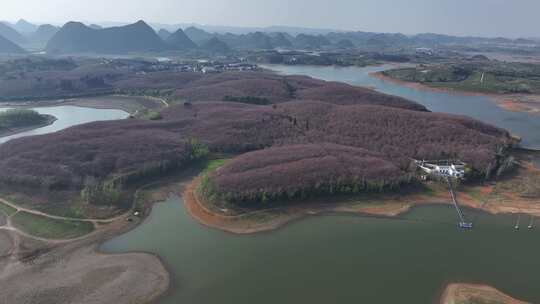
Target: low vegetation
[
  {"x": 50, "y": 228},
  {"x": 476, "y": 76},
  {"x": 148, "y": 114},
  {"x": 8, "y": 210},
  {"x": 248, "y": 99},
  {"x": 20, "y": 118},
  {"x": 36, "y": 79}
]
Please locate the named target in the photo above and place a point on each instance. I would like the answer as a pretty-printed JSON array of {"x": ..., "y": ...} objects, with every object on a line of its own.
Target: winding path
[
  {"x": 95, "y": 222},
  {"x": 56, "y": 217}
]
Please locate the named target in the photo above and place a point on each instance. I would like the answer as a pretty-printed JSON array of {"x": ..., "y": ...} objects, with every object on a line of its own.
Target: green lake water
[
  {"x": 345, "y": 258},
  {"x": 480, "y": 107},
  {"x": 339, "y": 258}
]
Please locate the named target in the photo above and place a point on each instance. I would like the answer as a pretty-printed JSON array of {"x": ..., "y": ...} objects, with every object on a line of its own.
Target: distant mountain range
[
  {"x": 214, "y": 45},
  {"x": 76, "y": 37},
  {"x": 164, "y": 34},
  {"x": 11, "y": 34},
  {"x": 180, "y": 41},
  {"x": 22, "y": 26},
  {"x": 43, "y": 33},
  {"x": 8, "y": 47}
]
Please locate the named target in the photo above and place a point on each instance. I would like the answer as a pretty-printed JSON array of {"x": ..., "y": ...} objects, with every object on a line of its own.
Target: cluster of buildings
[
  {"x": 218, "y": 67},
  {"x": 142, "y": 67}
]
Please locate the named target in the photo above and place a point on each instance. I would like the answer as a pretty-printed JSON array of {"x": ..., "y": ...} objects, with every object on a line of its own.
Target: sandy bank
[
  {"x": 510, "y": 102},
  {"x": 6, "y": 244},
  {"x": 78, "y": 273},
  {"x": 470, "y": 293}
]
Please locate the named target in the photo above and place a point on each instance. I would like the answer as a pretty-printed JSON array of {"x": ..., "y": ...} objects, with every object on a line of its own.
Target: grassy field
[
  {"x": 8, "y": 210},
  {"x": 20, "y": 118},
  {"x": 213, "y": 164},
  {"x": 483, "y": 77},
  {"x": 50, "y": 228}
]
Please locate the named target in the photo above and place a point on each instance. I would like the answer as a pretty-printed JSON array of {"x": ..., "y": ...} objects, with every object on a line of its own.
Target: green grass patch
[
  {"x": 147, "y": 114},
  {"x": 15, "y": 118},
  {"x": 50, "y": 228},
  {"x": 213, "y": 164},
  {"x": 483, "y": 76},
  {"x": 8, "y": 210}
]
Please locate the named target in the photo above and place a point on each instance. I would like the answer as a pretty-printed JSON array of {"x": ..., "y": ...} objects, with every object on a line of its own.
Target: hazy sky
[{"x": 462, "y": 17}]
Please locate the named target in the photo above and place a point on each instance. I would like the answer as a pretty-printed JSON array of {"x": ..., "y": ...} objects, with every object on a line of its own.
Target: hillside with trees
[
  {"x": 301, "y": 171},
  {"x": 365, "y": 140},
  {"x": 20, "y": 118}
]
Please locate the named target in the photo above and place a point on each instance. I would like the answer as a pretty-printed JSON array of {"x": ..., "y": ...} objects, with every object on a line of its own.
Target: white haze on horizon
[{"x": 508, "y": 18}]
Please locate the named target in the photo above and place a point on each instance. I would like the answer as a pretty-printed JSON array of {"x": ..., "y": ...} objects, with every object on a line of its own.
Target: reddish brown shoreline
[{"x": 386, "y": 205}]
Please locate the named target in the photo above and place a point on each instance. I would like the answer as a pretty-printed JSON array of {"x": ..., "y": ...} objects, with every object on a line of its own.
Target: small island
[
  {"x": 14, "y": 121},
  {"x": 475, "y": 294},
  {"x": 513, "y": 85}
]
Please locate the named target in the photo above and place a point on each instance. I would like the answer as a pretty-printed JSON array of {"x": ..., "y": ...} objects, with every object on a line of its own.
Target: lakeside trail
[
  {"x": 76, "y": 272},
  {"x": 39, "y": 270},
  {"x": 487, "y": 198},
  {"x": 510, "y": 102},
  {"x": 63, "y": 218}
]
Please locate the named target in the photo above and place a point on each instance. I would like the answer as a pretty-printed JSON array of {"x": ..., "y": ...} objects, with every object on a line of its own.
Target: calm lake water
[
  {"x": 338, "y": 258},
  {"x": 344, "y": 258},
  {"x": 68, "y": 116}
]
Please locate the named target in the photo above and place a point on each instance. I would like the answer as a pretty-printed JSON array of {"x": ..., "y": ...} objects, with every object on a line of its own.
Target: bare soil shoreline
[
  {"x": 458, "y": 293},
  {"x": 78, "y": 272},
  {"x": 41, "y": 270},
  {"x": 511, "y": 102},
  {"x": 385, "y": 205}
]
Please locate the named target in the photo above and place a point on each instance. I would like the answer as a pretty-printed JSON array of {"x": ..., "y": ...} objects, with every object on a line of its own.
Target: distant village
[{"x": 143, "y": 66}]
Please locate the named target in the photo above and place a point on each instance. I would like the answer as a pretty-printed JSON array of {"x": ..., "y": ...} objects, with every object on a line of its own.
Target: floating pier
[
  {"x": 448, "y": 170},
  {"x": 463, "y": 224}
]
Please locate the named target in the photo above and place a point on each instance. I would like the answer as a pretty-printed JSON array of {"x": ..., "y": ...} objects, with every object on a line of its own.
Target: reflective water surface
[
  {"x": 68, "y": 116},
  {"x": 344, "y": 258}
]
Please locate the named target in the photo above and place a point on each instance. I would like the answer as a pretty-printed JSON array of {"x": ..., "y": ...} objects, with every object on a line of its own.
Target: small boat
[{"x": 465, "y": 225}]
